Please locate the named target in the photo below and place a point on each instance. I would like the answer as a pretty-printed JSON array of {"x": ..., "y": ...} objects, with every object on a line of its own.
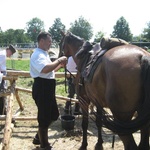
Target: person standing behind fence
[
  {"x": 146, "y": 48},
  {"x": 71, "y": 67},
  {"x": 43, "y": 89},
  {"x": 8, "y": 52}
]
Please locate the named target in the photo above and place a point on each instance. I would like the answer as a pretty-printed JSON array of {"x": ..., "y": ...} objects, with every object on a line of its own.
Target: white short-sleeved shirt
[
  {"x": 71, "y": 65},
  {"x": 39, "y": 59},
  {"x": 2, "y": 60}
]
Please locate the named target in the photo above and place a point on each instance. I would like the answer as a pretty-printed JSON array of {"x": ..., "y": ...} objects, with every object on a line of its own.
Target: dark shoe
[
  {"x": 36, "y": 140},
  {"x": 47, "y": 148}
]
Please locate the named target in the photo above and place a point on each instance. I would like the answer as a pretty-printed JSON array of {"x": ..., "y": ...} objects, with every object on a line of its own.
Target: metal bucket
[{"x": 67, "y": 122}]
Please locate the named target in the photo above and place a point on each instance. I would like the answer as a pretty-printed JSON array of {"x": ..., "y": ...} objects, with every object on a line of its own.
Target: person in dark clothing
[
  {"x": 42, "y": 69},
  {"x": 71, "y": 67}
]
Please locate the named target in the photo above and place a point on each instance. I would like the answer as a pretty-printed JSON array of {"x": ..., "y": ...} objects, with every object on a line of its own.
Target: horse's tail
[
  {"x": 144, "y": 111},
  {"x": 145, "y": 75}
]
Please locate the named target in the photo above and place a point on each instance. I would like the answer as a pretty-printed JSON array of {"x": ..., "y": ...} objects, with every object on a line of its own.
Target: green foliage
[
  {"x": 122, "y": 30},
  {"x": 139, "y": 38},
  {"x": 21, "y": 36},
  {"x": 136, "y": 38},
  {"x": 1, "y": 37},
  {"x": 13, "y": 36},
  {"x": 60, "y": 88},
  {"x": 55, "y": 29},
  {"x": 34, "y": 26},
  {"x": 9, "y": 36},
  {"x": 146, "y": 32},
  {"x": 99, "y": 36},
  {"x": 61, "y": 70},
  {"x": 82, "y": 28}
]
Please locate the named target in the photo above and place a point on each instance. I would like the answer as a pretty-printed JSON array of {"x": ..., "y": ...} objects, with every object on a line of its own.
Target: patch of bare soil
[{"x": 24, "y": 131}]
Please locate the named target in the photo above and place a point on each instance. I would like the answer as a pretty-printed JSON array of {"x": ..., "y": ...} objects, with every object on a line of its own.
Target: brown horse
[{"x": 121, "y": 82}]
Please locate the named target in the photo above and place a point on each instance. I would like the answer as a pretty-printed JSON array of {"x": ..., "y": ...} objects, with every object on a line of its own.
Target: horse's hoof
[
  {"x": 98, "y": 147},
  {"x": 143, "y": 147},
  {"x": 82, "y": 148}
]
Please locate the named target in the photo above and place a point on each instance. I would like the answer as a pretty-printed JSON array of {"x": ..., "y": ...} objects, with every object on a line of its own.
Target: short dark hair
[{"x": 43, "y": 35}]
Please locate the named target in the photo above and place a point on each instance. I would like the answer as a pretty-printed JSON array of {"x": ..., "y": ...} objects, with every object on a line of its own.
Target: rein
[{"x": 71, "y": 75}]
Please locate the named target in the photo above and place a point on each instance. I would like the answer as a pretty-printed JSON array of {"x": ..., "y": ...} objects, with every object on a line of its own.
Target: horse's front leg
[
  {"x": 99, "y": 144},
  {"x": 85, "y": 115},
  {"x": 144, "y": 143}
]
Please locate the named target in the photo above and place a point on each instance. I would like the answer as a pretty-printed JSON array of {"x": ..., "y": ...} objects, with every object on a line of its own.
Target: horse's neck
[
  {"x": 73, "y": 54},
  {"x": 75, "y": 59},
  {"x": 74, "y": 49}
]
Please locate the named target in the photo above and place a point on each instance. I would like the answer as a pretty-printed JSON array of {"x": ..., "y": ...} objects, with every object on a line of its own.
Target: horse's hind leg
[
  {"x": 129, "y": 142},
  {"x": 99, "y": 143},
  {"x": 84, "y": 127},
  {"x": 144, "y": 143}
]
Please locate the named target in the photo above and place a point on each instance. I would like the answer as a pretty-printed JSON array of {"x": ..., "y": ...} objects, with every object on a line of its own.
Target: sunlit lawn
[{"x": 23, "y": 65}]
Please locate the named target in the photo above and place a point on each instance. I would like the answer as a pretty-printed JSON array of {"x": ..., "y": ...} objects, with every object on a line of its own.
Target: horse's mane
[{"x": 72, "y": 38}]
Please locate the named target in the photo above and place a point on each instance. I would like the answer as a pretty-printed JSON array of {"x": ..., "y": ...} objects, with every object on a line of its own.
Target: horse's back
[{"x": 120, "y": 79}]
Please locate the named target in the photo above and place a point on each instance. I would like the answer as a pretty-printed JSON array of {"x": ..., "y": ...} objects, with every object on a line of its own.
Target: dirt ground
[{"x": 24, "y": 131}]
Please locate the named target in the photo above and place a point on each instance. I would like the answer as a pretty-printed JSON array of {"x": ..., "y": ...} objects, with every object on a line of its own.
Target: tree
[
  {"x": 55, "y": 31},
  {"x": 146, "y": 32},
  {"x": 34, "y": 26},
  {"x": 99, "y": 36},
  {"x": 122, "y": 30},
  {"x": 21, "y": 36},
  {"x": 8, "y": 36},
  {"x": 11, "y": 36},
  {"x": 82, "y": 28},
  {"x": 1, "y": 37}
]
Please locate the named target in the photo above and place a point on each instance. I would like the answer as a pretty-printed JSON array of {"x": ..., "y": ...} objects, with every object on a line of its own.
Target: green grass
[
  {"x": 18, "y": 64},
  {"x": 23, "y": 65},
  {"x": 60, "y": 88}
]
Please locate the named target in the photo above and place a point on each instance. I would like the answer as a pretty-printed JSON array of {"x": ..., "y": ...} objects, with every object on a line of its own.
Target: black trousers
[{"x": 43, "y": 92}]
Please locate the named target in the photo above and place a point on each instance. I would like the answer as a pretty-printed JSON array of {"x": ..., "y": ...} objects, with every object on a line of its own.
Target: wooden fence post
[{"x": 8, "y": 129}]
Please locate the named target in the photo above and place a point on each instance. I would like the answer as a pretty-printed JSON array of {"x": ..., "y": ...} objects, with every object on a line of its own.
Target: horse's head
[
  {"x": 69, "y": 44},
  {"x": 61, "y": 45}
]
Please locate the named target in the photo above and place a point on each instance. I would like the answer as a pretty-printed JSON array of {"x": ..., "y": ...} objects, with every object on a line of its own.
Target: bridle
[{"x": 61, "y": 45}]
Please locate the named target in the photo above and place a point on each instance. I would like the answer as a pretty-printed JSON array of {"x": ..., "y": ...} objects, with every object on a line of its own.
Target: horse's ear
[{"x": 62, "y": 33}]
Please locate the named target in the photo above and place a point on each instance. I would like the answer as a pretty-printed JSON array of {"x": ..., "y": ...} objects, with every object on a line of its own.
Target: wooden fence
[{"x": 12, "y": 76}]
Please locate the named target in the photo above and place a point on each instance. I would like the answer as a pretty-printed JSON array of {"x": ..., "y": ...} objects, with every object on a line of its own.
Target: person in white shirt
[
  {"x": 8, "y": 52},
  {"x": 43, "y": 89},
  {"x": 71, "y": 67}
]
